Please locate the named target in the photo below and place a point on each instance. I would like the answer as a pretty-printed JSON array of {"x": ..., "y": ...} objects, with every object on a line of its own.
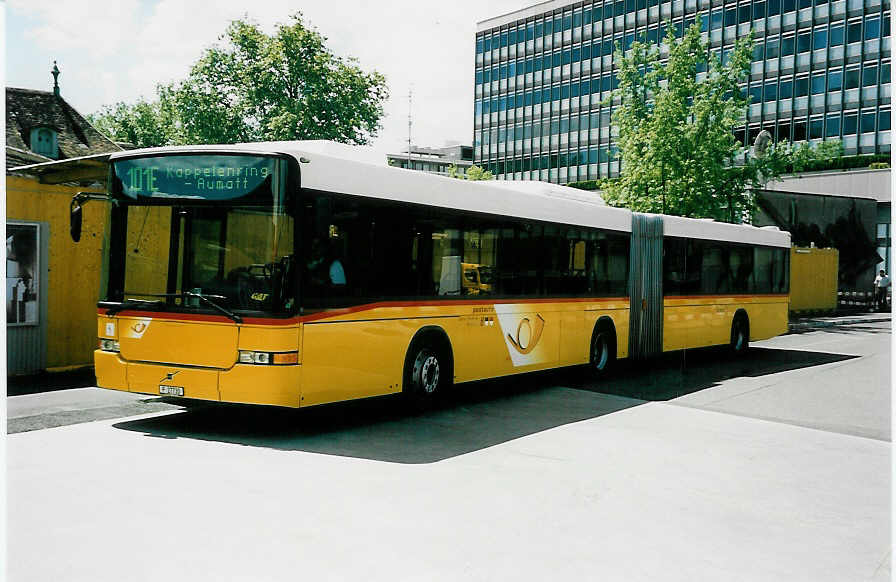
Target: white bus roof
[
  {"x": 333, "y": 167},
  {"x": 704, "y": 228}
]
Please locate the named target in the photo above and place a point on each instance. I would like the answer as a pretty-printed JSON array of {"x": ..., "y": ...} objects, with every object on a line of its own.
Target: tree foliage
[
  {"x": 140, "y": 124},
  {"x": 676, "y": 120},
  {"x": 258, "y": 87},
  {"x": 473, "y": 173}
]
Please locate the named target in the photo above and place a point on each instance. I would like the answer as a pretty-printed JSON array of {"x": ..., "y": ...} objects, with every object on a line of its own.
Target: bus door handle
[{"x": 643, "y": 305}]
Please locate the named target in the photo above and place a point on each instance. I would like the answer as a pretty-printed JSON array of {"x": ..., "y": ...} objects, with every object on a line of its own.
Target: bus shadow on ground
[
  {"x": 676, "y": 374},
  {"x": 476, "y": 416}
]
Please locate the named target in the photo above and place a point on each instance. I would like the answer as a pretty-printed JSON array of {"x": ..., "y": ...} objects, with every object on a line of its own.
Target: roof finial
[{"x": 55, "y": 79}]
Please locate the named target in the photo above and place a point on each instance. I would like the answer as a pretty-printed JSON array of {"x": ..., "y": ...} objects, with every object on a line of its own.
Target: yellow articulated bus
[{"x": 289, "y": 274}]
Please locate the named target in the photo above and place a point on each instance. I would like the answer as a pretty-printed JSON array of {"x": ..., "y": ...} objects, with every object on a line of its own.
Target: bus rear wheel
[
  {"x": 603, "y": 352},
  {"x": 740, "y": 334}
]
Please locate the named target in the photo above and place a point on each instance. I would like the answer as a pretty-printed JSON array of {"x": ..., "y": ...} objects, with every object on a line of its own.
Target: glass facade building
[{"x": 820, "y": 70}]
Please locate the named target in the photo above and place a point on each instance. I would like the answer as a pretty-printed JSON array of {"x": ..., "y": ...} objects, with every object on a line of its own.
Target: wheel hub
[
  {"x": 429, "y": 374},
  {"x": 601, "y": 354}
]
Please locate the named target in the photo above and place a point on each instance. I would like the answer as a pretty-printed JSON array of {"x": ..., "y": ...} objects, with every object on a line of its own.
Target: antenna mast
[{"x": 409, "y": 128}]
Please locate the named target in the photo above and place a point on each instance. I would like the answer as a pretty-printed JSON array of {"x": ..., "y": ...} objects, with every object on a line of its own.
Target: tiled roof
[
  {"x": 19, "y": 157},
  {"x": 27, "y": 109}
]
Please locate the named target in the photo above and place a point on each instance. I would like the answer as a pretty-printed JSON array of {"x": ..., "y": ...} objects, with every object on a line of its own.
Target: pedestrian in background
[{"x": 881, "y": 284}]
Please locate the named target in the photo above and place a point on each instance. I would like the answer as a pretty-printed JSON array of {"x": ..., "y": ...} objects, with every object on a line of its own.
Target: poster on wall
[{"x": 22, "y": 274}]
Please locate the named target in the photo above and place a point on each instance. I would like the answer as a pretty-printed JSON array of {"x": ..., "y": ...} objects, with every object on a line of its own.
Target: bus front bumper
[{"x": 243, "y": 383}]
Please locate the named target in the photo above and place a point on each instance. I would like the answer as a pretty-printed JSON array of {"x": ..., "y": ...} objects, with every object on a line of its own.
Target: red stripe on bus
[
  {"x": 346, "y": 310},
  {"x": 741, "y": 296},
  {"x": 207, "y": 318}
]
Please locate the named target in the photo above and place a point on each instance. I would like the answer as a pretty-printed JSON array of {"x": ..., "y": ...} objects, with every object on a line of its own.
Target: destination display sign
[{"x": 207, "y": 177}]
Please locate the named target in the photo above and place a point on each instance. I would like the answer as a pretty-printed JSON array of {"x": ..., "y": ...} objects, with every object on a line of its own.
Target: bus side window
[
  {"x": 741, "y": 266},
  {"x": 694, "y": 265},
  {"x": 763, "y": 269},
  {"x": 781, "y": 271},
  {"x": 674, "y": 272},
  {"x": 446, "y": 261}
]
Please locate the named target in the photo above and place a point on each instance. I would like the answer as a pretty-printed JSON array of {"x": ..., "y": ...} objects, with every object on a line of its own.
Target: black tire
[
  {"x": 740, "y": 335},
  {"x": 602, "y": 355},
  {"x": 426, "y": 374}
]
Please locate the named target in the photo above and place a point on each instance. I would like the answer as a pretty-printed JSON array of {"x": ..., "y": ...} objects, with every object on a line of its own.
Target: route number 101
[{"x": 142, "y": 179}]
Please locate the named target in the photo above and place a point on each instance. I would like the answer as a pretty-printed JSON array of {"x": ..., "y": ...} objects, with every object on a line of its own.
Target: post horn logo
[
  {"x": 527, "y": 334},
  {"x": 138, "y": 327},
  {"x": 170, "y": 376}
]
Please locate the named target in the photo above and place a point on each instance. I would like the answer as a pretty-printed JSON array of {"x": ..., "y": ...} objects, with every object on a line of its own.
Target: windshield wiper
[
  {"x": 208, "y": 301},
  {"x": 205, "y": 298},
  {"x": 128, "y": 303}
]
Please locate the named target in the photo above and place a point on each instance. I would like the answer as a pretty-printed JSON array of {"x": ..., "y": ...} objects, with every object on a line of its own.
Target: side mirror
[{"x": 75, "y": 219}]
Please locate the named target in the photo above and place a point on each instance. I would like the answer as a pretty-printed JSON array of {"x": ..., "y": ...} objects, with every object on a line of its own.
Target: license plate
[{"x": 171, "y": 390}]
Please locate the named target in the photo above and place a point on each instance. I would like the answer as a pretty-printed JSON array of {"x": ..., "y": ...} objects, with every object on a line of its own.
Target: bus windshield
[{"x": 202, "y": 232}]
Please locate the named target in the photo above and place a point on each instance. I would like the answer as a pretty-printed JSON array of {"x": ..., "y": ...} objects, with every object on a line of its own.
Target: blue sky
[{"x": 118, "y": 51}]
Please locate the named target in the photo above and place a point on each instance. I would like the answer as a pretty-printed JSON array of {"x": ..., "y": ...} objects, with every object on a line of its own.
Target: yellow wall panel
[
  {"x": 813, "y": 279},
  {"x": 73, "y": 280}
]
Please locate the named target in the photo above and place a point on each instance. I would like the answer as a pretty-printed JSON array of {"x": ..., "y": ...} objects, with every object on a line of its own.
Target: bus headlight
[
  {"x": 268, "y": 358},
  {"x": 108, "y": 345}
]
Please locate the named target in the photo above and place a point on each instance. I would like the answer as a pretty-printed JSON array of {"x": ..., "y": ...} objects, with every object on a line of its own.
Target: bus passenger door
[{"x": 646, "y": 286}]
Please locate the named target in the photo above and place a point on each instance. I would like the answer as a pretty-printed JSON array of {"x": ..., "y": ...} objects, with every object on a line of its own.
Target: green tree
[
  {"x": 474, "y": 173},
  {"x": 804, "y": 157},
  {"x": 255, "y": 87},
  {"x": 141, "y": 124},
  {"x": 477, "y": 173},
  {"x": 676, "y": 132}
]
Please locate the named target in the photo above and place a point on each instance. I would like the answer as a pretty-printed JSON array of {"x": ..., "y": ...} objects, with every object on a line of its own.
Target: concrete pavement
[
  {"x": 37, "y": 410},
  {"x": 801, "y": 324},
  {"x": 772, "y": 468}
]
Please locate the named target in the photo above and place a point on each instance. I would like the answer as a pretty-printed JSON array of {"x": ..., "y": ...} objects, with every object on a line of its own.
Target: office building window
[
  {"x": 854, "y": 32},
  {"x": 868, "y": 119},
  {"x": 869, "y": 76},
  {"x": 837, "y": 35},
  {"x": 816, "y": 128},
  {"x": 832, "y": 128},
  {"x": 784, "y": 131},
  {"x": 803, "y": 42},
  {"x": 872, "y": 28},
  {"x": 850, "y": 123},
  {"x": 787, "y": 44},
  {"x": 799, "y": 130},
  {"x": 835, "y": 81},
  {"x": 820, "y": 39},
  {"x": 758, "y": 10},
  {"x": 786, "y": 89},
  {"x": 755, "y": 94}
]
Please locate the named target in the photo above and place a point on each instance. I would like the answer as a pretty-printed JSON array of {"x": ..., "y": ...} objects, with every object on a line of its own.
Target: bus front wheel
[{"x": 426, "y": 373}]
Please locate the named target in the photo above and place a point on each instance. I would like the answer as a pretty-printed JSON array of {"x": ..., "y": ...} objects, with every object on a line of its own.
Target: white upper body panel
[
  {"x": 333, "y": 167},
  {"x": 707, "y": 229},
  {"x": 338, "y": 168}
]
